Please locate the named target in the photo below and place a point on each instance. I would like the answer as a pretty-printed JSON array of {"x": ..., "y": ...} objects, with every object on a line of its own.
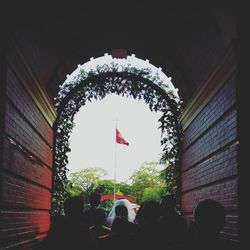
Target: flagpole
[
  {"x": 115, "y": 162},
  {"x": 114, "y": 174}
]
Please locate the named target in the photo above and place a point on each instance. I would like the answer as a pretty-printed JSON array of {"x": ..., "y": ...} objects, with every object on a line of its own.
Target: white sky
[
  {"x": 92, "y": 141},
  {"x": 93, "y": 144}
]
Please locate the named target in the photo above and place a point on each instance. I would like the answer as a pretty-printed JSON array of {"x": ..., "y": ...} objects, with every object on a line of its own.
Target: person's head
[
  {"x": 150, "y": 211},
  {"x": 99, "y": 216},
  {"x": 120, "y": 226},
  {"x": 73, "y": 206},
  {"x": 94, "y": 199},
  {"x": 121, "y": 210},
  {"x": 167, "y": 203},
  {"x": 127, "y": 205},
  {"x": 209, "y": 217}
]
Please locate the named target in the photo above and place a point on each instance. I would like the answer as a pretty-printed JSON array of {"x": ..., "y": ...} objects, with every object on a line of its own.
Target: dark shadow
[
  {"x": 68, "y": 231},
  {"x": 204, "y": 233}
]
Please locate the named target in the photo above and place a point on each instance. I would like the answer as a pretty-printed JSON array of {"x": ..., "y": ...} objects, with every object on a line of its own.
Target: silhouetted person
[
  {"x": 73, "y": 209},
  {"x": 69, "y": 231},
  {"x": 130, "y": 211},
  {"x": 209, "y": 220},
  {"x": 138, "y": 217},
  {"x": 173, "y": 228},
  {"x": 150, "y": 213},
  {"x": 147, "y": 236},
  {"x": 122, "y": 211},
  {"x": 99, "y": 229},
  {"x": 94, "y": 200},
  {"x": 119, "y": 238},
  {"x": 167, "y": 205},
  {"x": 120, "y": 226}
]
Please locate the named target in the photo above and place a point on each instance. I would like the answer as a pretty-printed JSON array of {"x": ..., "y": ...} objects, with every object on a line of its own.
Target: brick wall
[
  {"x": 26, "y": 167},
  {"x": 209, "y": 157}
]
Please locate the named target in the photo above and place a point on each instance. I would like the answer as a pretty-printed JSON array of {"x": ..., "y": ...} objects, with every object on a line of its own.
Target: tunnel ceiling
[{"x": 168, "y": 37}]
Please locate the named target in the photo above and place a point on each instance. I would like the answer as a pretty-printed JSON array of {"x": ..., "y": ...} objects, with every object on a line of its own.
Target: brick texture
[
  {"x": 26, "y": 169},
  {"x": 21, "y": 226},
  {"x": 20, "y": 130},
  {"x": 216, "y": 137},
  {"x": 27, "y": 107},
  {"x": 222, "y": 101},
  {"x": 219, "y": 166},
  {"x": 209, "y": 158},
  {"x": 19, "y": 193},
  {"x": 20, "y": 163}
]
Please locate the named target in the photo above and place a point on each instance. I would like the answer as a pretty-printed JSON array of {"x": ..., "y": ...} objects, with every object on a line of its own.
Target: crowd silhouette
[{"x": 156, "y": 225}]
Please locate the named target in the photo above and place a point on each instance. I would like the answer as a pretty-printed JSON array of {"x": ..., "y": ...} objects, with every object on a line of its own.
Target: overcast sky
[{"x": 92, "y": 141}]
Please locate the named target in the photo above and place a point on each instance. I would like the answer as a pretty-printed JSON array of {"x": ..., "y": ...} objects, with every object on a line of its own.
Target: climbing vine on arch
[{"x": 107, "y": 79}]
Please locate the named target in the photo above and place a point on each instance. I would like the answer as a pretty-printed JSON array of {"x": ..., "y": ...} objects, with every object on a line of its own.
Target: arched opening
[
  {"x": 121, "y": 77},
  {"x": 197, "y": 47}
]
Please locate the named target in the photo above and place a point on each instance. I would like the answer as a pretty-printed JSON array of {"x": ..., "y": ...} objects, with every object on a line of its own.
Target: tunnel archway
[
  {"x": 197, "y": 46},
  {"x": 121, "y": 77}
]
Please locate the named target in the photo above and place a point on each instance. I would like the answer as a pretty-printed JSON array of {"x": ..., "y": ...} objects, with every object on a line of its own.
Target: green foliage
[
  {"x": 106, "y": 187},
  {"x": 147, "y": 183},
  {"x": 86, "y": 179},
  {"x": 126, "y": 189},
  {"x": 96, "y": 84},
  {"x": 73, "y": 190},
  {"x": 82, "y": 182},
  {"x": 154, "y": 193},
  {"x": 145, "y": 179}
]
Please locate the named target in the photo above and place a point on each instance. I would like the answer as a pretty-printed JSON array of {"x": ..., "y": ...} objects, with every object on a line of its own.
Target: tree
[
  {"x": 147, "y": 177},
  {"x": 85, "y": 181},
  {"x": 147, "y": 183},
  {"x": 154, "y": 193},
  {"x": 106, "y": 187},
  {"x": 126, "y": 189}
]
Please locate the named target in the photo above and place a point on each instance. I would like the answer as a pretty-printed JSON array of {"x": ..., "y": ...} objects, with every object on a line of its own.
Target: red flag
[{"x": 120, "y": 139}]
